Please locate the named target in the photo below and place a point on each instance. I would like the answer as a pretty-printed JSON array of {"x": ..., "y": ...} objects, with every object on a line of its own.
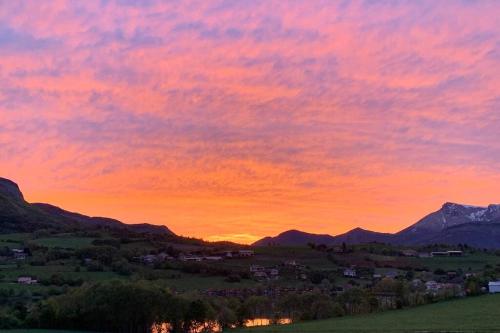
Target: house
[
  {"x": 19, "y": 254},
  {"x": 245, "y": 253},
  {"x": 494, "y": 287},
  {"x": 350, "y": 272},
  {"x": 164, "y": 256},
  {"x": 391, "y": 274},
  {"x": 26, "y": 280},
  {"x": 432, "y": 286},
  {"x": 274, "y": 272},
  {"x": 261, "y": 275},
  {"x": 416, "y": 283},
  {"x": 256, "y": 268},
  {"x": 446, "y": 254},
  {"x": 409, "y": 253},
  {"x": 148, "y": 259},
  {"x": 451, "y": 274},
  {"x": 213, "y": 258},
  {"x": 338, "y": 249},
  {"x": 184, "y": 257}
]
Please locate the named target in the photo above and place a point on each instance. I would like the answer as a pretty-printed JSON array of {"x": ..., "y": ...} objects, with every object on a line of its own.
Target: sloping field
[{"x": 473, "y": 314}]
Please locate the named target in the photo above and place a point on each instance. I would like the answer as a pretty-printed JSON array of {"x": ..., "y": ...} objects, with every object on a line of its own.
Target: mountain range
[
  {"x": 451, "y": 224},
  {"x": 18, "y": 215}
]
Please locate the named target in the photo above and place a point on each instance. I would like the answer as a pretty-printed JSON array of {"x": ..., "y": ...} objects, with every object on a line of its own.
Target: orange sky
[{"x": 240, "y": 119}]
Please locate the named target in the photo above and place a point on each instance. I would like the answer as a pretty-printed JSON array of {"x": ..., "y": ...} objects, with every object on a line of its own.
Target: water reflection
[
  {"x": 213, "y": 327},
  {"x": 266, "y": 322}
]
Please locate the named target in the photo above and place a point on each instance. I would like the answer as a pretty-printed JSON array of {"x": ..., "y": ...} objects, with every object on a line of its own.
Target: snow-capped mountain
[
  {"x": 451, "y": 215},
  {"x": 452, "y": 224}
]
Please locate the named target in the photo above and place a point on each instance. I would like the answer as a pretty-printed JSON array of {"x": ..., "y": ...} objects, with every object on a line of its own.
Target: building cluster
[
  {"x": 269, "y": 291},
  {"x": 193, "y": 257},
  {"x": 262, "y": 273},
  {"x": 217, "y": 256}
]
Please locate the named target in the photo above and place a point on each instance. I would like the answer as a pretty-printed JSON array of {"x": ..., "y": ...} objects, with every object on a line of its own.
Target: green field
[
  {"x": 474, "y": 314},
  {"x": 65, "y": 242},
  {"x": 475, "y": 262}
]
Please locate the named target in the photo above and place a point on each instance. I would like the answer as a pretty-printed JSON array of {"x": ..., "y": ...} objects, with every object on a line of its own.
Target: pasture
[{"x": 473, "y": 314}]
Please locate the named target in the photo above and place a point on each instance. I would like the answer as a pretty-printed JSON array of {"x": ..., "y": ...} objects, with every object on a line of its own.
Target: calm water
[{"x": 214, "y": 327}]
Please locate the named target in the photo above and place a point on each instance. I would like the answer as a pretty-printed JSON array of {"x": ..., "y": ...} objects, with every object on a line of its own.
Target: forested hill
[{"x": 18, "y": 215}]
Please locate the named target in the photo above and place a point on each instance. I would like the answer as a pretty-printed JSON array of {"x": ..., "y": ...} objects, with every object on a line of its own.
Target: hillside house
[
  {"x": 148, "y": 259},
  {"x": 19, "y": 254},
  {"x": 409, "y": 253},
  {"x": 273, "y": 272},
  {"x": 349, "y": 272},
  {"x": 213, "y": 258},
  {"x": 416, "y": 283},
  {"x": 391, "y": 274},
  {"x": 245, "y": 253},
  {"x": 256, "y": 268},
  {"x": 260, "y": 275},
  {"x": 190, "y": 258},
  {"x": 26, "y": 280},
  {"x": 494, "y": 287},
  {"x": 432, "y": 286},
  {"x": 454, "y": 253},
  {"x": 164, "y": 256}
]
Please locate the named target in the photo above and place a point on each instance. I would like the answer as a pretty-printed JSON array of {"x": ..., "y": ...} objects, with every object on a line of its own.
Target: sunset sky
[{"x": 240, "y": 119}]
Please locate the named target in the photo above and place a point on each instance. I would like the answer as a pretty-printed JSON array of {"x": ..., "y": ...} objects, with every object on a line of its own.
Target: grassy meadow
[{"x": 473, "y": 314}]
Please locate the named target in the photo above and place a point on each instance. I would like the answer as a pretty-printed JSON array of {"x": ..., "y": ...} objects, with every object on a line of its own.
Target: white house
[
  {"x": 26, "y": 280},
  {"x": 494, "y": 287},
  {"x": 350, "y": 272}
]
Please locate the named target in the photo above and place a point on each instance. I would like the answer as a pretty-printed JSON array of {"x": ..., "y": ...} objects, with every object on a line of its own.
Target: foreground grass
[{"x": 474, "y": 314}]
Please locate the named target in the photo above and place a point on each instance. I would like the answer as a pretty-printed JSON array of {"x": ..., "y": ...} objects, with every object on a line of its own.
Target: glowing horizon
[{"x": 242, "y": 119}]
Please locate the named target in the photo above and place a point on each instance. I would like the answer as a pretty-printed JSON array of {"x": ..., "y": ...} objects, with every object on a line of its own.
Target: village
[{"x": 438, "y": 282}]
